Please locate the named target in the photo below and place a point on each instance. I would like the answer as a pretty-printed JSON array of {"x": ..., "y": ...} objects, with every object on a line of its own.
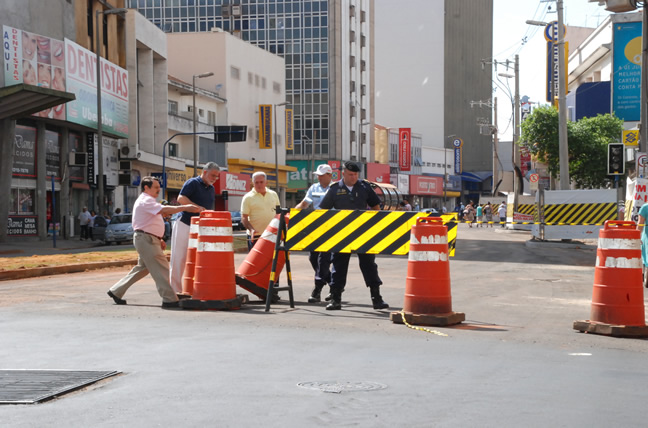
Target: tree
[{"x": 587, "y": 140}]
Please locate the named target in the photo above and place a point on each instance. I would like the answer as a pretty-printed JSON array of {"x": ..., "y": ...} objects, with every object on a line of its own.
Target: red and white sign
[
  {"x": 378, "y": 172},
  {"x": 235, "y": 184},
  {"x": 334, "y": 164},
  {"x": 424, "y": 185},
  {"x": 405, "y": 149}
]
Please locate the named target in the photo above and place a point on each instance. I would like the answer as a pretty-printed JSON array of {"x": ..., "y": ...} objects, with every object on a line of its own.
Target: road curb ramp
[
  {"x": 428, "y": 299},
  {"x": 617, "y": 298}
]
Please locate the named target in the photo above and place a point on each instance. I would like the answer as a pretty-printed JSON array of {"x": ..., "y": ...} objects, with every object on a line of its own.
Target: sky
[{"x": 511, "y": 35}]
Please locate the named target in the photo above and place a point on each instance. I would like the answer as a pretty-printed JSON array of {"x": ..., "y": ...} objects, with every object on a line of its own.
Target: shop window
[{"x": 21, "y": 202}]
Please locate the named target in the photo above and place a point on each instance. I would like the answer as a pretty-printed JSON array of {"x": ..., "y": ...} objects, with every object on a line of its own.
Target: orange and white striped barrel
[
  {"x": 427, "y": 287},
  {"x": 257, "y": 266},
  {"x": 190, "y": 264},
  {"x": 214, "y": 274},
  {"x": 617, "y": 297}
]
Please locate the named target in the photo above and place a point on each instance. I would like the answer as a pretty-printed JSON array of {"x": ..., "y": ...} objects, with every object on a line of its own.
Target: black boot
[
  {"x": 336, "y": 302},
  {"x": 376, "y": 298},
  {"x": 330, "y": 295},
  {"x": 316, "y": 294}
]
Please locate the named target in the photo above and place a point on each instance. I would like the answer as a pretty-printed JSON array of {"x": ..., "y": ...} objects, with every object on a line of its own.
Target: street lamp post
[
  {"x": 516, "y": 128},
  {"x": 276, "y": 145},
  {"x": 100, "y": 163},
  {"x": 195, "y": 137},
  {"x": 445, "y": 168}
]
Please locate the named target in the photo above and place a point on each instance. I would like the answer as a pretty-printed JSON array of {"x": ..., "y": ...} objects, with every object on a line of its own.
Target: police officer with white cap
[
  {"x": 353, "y": 194},
  {"x": 321, "y": 262}
]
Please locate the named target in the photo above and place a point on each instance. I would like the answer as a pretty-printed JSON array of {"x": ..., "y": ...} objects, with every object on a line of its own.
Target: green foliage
[{"x": 587, "y": 141}]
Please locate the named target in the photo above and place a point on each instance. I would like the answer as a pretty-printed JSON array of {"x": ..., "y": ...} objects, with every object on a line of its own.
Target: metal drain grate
[
  {"x": 34, "y": 386},
  {"x": 339, "y": 387}
]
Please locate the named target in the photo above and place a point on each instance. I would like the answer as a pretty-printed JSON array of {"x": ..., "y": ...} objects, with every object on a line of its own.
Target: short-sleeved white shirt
[{"x": 315, "y": 194}]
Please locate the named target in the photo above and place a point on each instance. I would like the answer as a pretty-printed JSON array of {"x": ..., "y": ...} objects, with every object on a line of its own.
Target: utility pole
[
  {"x": 563, "y": 150},
  {"x": 643, "y": 130},
  {"x": 495, "y": 143},
  {"x": 516, "y": 133}
]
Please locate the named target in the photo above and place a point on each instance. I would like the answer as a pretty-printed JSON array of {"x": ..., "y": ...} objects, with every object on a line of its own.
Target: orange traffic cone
[
  {"x": 190, "y": 264},
  {"x": 617, "y": 298},
  {"x": 254, "y": 273},
  {"x": 213, "y": 285},
  {"x": 427, "y": 288}
]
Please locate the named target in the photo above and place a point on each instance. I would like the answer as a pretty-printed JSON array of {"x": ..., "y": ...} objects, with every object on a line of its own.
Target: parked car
[
  {"x": 236, "y": 220},
  {"x": 432, "y": 211},
  {"x": 99, "y": 228},
  {"x": 120, "y": 229}
]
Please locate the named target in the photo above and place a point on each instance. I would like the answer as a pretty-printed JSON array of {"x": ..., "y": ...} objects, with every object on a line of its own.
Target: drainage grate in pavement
[
  {"x": 34, "y": 386},
  {"x": 339, "y": 387}
]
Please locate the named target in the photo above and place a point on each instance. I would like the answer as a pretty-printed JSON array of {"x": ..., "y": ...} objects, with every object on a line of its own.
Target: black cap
[{"x": 351, "y": 166}]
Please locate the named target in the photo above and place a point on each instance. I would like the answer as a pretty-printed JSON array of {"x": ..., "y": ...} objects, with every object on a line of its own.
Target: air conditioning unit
[
  {"x": 125, "y": 179},
  {"x": 127, "y": 150},
  {"x": 78, "y": 159},
  {"x": 125, "y": 165},
  {"x": 236, "y": 10}
]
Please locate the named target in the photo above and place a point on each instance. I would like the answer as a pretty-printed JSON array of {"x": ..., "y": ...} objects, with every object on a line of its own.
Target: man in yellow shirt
[{"x": 258, "y": 208}]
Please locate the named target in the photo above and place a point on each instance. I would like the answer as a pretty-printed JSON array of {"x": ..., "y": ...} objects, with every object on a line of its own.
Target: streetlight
[
  {"x": 445, "y": 169},
  {"x": 563, "y": 148},
  {"x": 276, "y": 144},
  {"x": 516, "y": 126},
  {"x": 193, "y": 108},
  {"x": 100, "y": 170}
]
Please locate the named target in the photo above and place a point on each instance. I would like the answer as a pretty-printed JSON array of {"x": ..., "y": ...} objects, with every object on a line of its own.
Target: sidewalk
[{"x": 25, "y": 247}]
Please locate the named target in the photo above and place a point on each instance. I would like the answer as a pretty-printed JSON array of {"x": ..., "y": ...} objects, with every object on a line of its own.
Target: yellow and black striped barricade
[
  {"x": 363, "y": 232},
  {"x": 584, "y": 219}
]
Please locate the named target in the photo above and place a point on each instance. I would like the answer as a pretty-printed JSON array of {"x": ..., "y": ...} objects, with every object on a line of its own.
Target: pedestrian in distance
[
  {"x": 147, "y": 238},
  {"x": 93, "y": 216},
  {"x": 501, "y": 212},
  {"x": 84, "y": 222},
  {"x": 353, "y": 194},
  {"x": 258, "y": 208},
  {"x": 198, "y": 191},
  {"x": 321, "y": 262},
  {"x": 488, "y": 214},
  {"x": 643, "y": 215},
  {"x": 469, "y": 213},
  {"x": 480, "y": 215}
]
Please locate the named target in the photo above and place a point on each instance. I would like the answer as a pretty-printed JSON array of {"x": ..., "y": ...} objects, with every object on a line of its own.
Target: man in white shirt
[
  {"x": 321, "y": 262},
  {"x": 149, "y": 229},
  {"x": 84, "y": 222}
]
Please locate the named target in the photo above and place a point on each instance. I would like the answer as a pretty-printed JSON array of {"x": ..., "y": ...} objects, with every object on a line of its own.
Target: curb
[
  {"x": 576, "y": 245},
  {"x": 57, "y": 270}
]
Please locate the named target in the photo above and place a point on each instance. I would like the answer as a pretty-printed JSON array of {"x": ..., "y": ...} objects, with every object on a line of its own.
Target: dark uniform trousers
[
  {"x": 368, "y": 267},
  {"x": 321, "y": 263}
]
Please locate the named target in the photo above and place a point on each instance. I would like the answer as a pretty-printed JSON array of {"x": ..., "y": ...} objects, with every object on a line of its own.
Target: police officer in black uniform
[{"x": 352, "y": 194}]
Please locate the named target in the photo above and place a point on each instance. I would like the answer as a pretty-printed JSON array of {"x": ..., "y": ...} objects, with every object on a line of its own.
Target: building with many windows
[{"x": 328, "y": 51}]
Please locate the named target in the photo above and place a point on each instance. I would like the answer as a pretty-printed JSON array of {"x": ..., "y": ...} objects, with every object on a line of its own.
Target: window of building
[
  {"x": 211, "y": 117},
  {"x": 173, "y": 107},
  {"x": 263, "y": 82},
  {"x": 256, "y": 80},
  {"x": 235, "y": 72},
  {"x": 276, "y": 87},
  {"x": 201, "y": 112},
  {"x": 173, "y": 149},
  {"x": 250, "y": 78}
]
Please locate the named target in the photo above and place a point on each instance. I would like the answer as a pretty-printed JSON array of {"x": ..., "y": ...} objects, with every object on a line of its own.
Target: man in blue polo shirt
[
  {"x": 321, "y": 262},
  {"x": 353, "y": 194},
  {"x": 197, "y": 191}
]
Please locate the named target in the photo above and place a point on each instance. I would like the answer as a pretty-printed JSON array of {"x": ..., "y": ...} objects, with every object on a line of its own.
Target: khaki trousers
[{"x": 151, "y": 260}]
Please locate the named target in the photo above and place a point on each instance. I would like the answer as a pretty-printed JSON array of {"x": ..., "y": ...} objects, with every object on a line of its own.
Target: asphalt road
[{"x": 516, "y": 361}]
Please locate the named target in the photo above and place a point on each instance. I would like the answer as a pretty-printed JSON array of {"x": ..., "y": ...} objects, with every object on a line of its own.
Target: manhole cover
[
  {"x": 34, "y": 386},
  {"x": 338, "y": 387}
]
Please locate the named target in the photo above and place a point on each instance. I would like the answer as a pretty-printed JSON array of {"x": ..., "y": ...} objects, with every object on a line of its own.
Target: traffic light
[{"x": 616, "y": 161}]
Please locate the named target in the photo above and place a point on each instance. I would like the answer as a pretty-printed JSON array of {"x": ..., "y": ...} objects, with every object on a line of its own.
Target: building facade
[{"x": 328, "y": 51}]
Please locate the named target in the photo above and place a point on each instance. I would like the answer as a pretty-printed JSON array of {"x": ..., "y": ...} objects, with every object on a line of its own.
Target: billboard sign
[
  {"x": 290, "y": 137},
  {"x": 405, "y": 149},
  {"x": 626, "y": 75},
  {"x": 265, "y": 126}
]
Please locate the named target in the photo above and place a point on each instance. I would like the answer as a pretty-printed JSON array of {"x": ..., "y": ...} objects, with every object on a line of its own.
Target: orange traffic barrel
[
  {"x": 428, "y": 299},
  {"x": 617, "y": 297},
  {"x": 190, "y": 265},
  {"x": 214, "y": 271},
  {"x": 254, "y": 273}
]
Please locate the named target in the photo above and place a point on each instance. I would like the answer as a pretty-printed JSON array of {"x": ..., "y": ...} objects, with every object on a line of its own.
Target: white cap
[{"x": 323, "y": 169}]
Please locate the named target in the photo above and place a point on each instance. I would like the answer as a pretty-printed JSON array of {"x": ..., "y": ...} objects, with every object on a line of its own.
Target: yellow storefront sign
[{"x": 631, "y": 137}]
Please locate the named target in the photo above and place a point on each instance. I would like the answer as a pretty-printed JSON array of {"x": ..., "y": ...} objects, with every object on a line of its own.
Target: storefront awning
[
  {"x": 476, "y": 176},
  {"x": 22, "y": 100}
]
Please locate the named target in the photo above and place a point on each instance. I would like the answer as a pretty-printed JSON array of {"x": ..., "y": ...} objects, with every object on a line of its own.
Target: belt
[{"x": 143, "y": 231}]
